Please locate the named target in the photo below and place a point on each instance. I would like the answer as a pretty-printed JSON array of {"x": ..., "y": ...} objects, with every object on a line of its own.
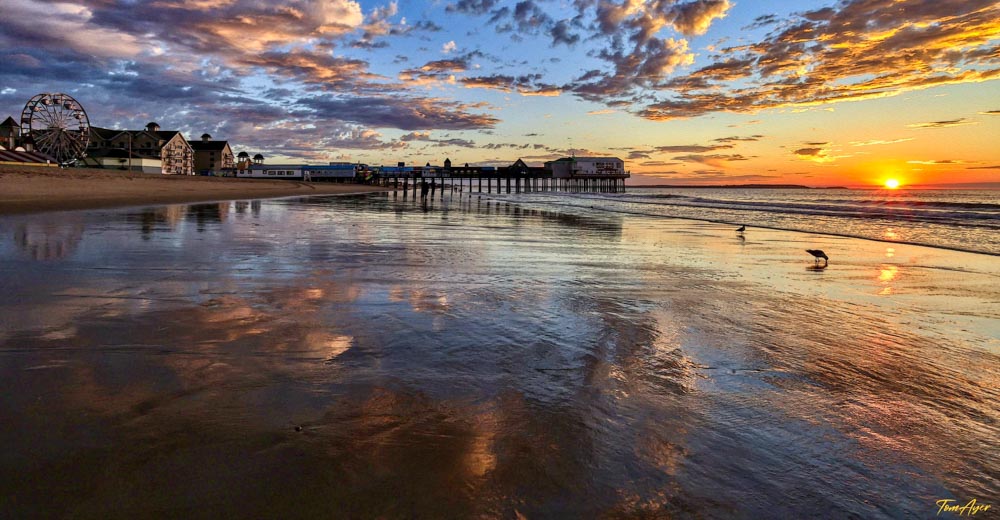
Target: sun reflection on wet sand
[{"x": 887, "y": 273}]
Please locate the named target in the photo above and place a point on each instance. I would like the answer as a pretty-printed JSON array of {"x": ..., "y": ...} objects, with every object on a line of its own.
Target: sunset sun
[{"x": 891, "y": 184}]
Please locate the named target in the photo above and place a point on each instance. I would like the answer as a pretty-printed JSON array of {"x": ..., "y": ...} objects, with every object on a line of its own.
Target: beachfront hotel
[
  {"x": 147, "y": 151},
  {"x": 212, "y": 157}
]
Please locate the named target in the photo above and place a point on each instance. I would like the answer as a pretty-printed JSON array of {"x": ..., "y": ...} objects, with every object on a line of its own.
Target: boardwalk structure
[{"x": 571, "y": 174}]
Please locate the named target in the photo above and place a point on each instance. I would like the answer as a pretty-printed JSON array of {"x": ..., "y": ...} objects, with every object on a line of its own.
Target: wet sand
[
  {"x": 370, "y": 357},
  {"x": 26, "y": 189}
]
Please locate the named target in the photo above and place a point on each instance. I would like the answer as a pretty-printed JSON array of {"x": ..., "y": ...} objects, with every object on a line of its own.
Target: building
[
  {"x": 121, "y": 159},
  {"x": 140, "y": 149},
  {"x": 212, "y": 157},
  {"x": 334, "y": 172},
  {"x": 583, "y": 167},
  {"x": 519, "y": 167},
  {"x": 10, "y": 134},
  {"x": 21, "y": 158}
]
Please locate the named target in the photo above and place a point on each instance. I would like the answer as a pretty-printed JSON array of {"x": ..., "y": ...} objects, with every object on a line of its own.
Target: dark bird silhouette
[
  {"x": 741, "y": 229},
  {"x": 817, "y": 254}
]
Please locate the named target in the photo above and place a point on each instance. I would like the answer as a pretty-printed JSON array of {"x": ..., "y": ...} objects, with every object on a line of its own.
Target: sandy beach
[
  {"x": 26, "y": 189},
  {"x": 382, "y": 357}
]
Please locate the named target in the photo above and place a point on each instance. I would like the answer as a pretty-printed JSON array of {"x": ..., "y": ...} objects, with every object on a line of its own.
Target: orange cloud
[
  {"x": 859, "y": 50},
  {"x": 943, "y": 124}
]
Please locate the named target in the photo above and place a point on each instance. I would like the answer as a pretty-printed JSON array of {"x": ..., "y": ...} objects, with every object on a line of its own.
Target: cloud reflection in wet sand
[{"x": 362, "y": 357}]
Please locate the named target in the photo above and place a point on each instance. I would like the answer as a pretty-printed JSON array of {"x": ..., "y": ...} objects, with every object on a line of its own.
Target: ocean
[
  {"x": 965, "y": 220},
  {"x": 523, "y": 356}
]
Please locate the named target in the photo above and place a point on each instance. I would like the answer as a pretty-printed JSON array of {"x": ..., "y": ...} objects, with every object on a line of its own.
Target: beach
[
  {"x": 29, "y": 189},
  {"x": 473, "y": 356}
]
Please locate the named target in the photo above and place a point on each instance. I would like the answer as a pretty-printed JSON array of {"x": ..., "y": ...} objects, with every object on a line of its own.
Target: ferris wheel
[{"x": 58, "y": 126}]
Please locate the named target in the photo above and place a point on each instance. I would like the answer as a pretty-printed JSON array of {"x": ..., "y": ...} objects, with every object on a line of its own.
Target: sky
[{"x": 819, "y": 93}]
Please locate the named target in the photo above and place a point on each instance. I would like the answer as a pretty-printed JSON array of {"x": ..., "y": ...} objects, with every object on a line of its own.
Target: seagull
[
  {"x": 818, "y": 253},
  {"x": 741, "y": 229}
]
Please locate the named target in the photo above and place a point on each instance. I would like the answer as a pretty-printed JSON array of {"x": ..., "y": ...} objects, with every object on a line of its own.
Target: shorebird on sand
[
  {"x": 817, "y": 254},
  {"x": 741, "y": 229}
]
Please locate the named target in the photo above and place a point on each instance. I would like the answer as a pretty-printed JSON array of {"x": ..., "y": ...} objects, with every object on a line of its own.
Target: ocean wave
[
  {"x": 965, "y": 221},
  {"x": 988, "y": 219}
]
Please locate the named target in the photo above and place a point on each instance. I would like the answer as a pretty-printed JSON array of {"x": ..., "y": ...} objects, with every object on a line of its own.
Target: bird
[
  {"x": 817, "y": 254},
  {"x": 741, "y": 229}
]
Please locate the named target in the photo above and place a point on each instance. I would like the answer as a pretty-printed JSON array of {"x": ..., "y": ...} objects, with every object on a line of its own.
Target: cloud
[
  {"x": 735, "y": 139},
  {"x": 762, "y": 21},
  {"x": 694, "y": 18},
  {"x": 67, "y": 26},
  {"x": 404, "y": 113},
  {"x": 314, "y": 67},
  {"x": 942, "y": 162},
  {"x": 810, "y": 152},
  {"x": 449, "y": 47},
  {"x": 713, "y": 160},
  {"x": 876, "y": 142},
  {"x": 250, "y": 25},
  {"x": 426, "y": 137},
  {"x": 659, "y": 163},
  {"x": 359, "y": 138},
  {"x": 427, "y": 25},
  {"x": 460, "y": 143},
  {"x": 694, "y": 148},
  {"x": 817, "y": 153},
  {"x": 416, "y": 136},
  {"x": 703, "y": 176},
  {"x": 526, "y": 85},
  {"x": 434, "y": 72},
  {"x": 861, "y": 49},
  {"x": 476, "y": 7},
  {"x": 644, "y": 66},
  {"x": 991, "y": 113},
  {"x": 943, "y": 124},
  {"x": 541, "y": 89},
  {"x": 561, "y": 34}
]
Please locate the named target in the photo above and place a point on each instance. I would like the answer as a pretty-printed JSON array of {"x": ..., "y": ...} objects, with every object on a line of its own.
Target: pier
[{"x": 576, "y": 175}]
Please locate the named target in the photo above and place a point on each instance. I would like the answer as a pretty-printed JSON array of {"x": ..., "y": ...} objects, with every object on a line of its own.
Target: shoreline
[
  {"x": 27, "y": 189},
  {"x": 762, "y": 226}
]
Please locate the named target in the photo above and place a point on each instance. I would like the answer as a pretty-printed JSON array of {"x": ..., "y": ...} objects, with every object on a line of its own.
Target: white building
[
  {"x": 338, "y": 172},
  {"x": 569, "y": 167}
]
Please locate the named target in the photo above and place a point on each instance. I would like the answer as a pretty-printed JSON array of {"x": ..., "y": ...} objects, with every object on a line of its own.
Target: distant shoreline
[
  {"x": 745, "y": 186},
  {"x": 958, "y": 186},
  {"x": 26, "y": 189}
]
